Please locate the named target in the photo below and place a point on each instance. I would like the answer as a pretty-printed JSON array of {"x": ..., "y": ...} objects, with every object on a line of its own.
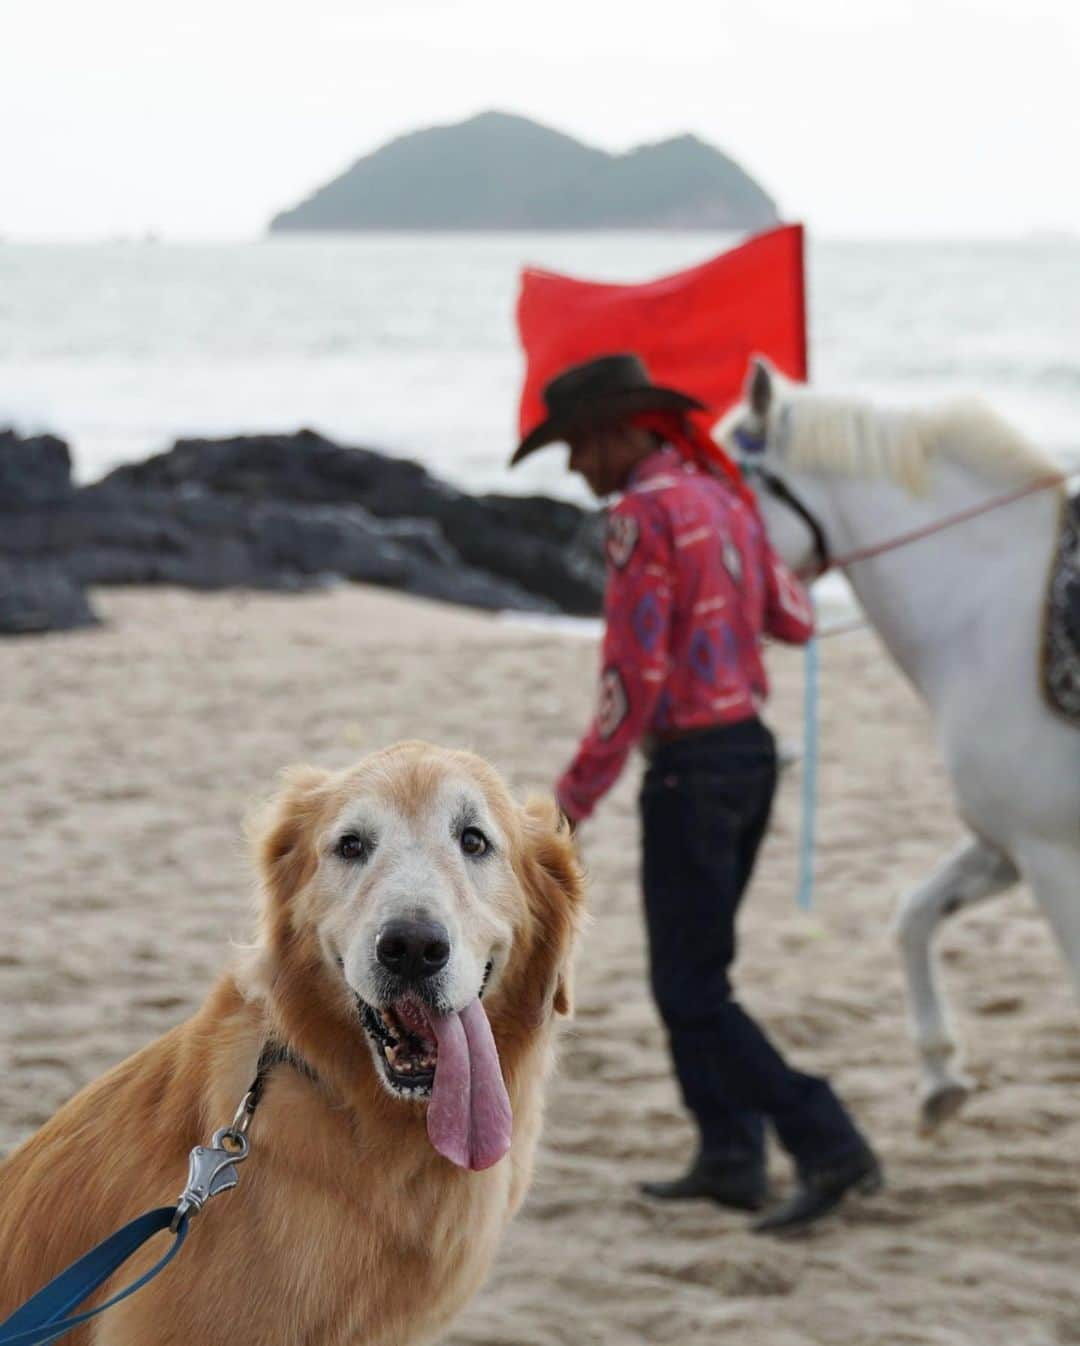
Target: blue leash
[
  {"x": 807, "y": 841},
  {"x": 211, "y": 1169},
  {"x": 42, "y": 1318}
]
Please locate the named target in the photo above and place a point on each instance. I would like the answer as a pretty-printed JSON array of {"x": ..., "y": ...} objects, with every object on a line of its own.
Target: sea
[{"x": 407, "y": 342}]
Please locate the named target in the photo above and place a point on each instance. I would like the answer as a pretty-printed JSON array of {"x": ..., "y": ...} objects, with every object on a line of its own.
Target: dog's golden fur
[{"x": 346, "y": 1225}]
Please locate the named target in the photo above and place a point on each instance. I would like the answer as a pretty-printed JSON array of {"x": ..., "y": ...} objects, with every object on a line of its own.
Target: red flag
[{"x": 696, "y": 330}]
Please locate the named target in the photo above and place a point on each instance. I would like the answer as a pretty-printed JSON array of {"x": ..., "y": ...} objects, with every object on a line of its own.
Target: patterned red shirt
[{"x": 692, "y": 586}]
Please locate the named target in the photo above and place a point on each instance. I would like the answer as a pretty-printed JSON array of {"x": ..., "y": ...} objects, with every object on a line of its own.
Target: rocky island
[{"x": 498, "y": 171}]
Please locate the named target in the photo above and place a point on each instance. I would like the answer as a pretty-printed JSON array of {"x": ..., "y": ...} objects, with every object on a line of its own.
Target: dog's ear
[
  {"x": 282, "y": 833},
  {"x": 555, "y": 890}
]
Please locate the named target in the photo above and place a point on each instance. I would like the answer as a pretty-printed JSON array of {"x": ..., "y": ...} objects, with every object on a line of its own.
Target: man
[{"x": 692, "y": 587}]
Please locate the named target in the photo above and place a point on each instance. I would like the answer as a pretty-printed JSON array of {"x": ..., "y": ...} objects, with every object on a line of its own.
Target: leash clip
[{"x": 211, "y": 1169}]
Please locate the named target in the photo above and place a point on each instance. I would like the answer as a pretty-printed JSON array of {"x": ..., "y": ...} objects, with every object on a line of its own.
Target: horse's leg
[
  {"x": 1054, "y": 875},
  {"x": 974, "y": 872}
]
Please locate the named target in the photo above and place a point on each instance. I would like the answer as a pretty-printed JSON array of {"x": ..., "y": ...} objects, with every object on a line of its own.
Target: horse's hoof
[{"x": 941, "y": 1104}]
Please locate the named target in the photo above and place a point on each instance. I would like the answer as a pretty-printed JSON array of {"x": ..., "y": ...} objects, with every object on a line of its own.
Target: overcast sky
[{"x": 863, "y": 117}]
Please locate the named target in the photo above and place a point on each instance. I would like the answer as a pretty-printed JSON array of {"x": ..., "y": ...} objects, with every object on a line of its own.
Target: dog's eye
[
  {"x": 352, "y": 847},
  {"x": 473, "y": 841}
]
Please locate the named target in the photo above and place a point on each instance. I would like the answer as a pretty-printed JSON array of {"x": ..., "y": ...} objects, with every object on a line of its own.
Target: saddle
[{"x": 1061, "y": 639}]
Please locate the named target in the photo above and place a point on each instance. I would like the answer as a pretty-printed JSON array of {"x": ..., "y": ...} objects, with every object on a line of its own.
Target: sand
[{"x": 130, "y": 755}]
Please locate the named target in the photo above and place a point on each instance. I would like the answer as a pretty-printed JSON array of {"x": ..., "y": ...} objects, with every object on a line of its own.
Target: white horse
[{"x": 961, "y": 612}]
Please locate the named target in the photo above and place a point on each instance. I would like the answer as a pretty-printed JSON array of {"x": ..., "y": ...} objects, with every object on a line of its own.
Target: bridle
[
  {"x": 826, "y": 560},
  {"x": 780, "y": 490},
  {"x": 751, "y": 445}
]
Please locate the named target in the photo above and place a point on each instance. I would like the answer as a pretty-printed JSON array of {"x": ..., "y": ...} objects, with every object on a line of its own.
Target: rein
[{"x": 826, "y": 561}]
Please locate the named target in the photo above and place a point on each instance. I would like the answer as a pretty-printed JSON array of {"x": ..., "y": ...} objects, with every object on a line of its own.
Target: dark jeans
[{"x": 705, "y": 806}]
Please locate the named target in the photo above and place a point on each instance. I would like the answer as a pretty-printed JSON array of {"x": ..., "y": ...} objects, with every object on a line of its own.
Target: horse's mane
[{"x": 826, "y": 434}]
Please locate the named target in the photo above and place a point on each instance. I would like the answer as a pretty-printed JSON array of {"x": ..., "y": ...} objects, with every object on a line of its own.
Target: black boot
[
  {"x": 820, "y": 1190},
  {"x": 742, "y": 1186}
]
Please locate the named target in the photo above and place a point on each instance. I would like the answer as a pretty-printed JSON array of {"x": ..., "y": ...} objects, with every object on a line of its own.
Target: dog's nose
[{"x": 413, "y": 950}]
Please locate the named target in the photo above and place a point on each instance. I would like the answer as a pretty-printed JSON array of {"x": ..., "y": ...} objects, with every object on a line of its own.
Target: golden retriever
[{"x": 415, "y": 943}]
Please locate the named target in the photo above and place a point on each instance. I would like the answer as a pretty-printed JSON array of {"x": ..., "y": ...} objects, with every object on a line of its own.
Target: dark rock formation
[
  {"x": 35, "y": 470},
  {"x": 281, "y": 512},
  {"x": 550, "y": 548},
  {"x": 497, "y": 171},
  {"x": 40, "y": 596}
]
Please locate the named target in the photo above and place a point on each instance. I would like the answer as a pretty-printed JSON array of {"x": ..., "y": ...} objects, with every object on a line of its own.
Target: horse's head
[{"x": 754, "y": 432}]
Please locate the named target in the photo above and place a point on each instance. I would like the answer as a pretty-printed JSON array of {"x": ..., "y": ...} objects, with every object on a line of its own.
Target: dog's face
[
  {"x": 416, "y": 904},
  {"x": 425, "y": 889}
]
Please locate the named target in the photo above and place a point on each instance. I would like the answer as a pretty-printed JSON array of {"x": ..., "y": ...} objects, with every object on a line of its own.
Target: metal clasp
[
  {"x": 242, "y": 1116},
  {"x": 212, "y": 1168}
]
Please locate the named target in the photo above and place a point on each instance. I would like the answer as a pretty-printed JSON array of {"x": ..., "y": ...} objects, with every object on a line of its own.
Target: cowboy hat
[{"x": 599, "y": 392}]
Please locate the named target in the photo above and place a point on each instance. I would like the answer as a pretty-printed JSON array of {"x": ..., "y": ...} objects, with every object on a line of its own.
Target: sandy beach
[{"x": 132, "y": 753}]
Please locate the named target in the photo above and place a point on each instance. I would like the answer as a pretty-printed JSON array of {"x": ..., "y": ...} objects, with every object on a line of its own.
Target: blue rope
[
  {"x": 42, "y": 1319},
  {"x": 811, "y": 666}
]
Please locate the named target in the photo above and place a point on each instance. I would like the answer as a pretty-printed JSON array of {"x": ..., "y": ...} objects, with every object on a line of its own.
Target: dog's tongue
[{"x": 469, "y": 1120}]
